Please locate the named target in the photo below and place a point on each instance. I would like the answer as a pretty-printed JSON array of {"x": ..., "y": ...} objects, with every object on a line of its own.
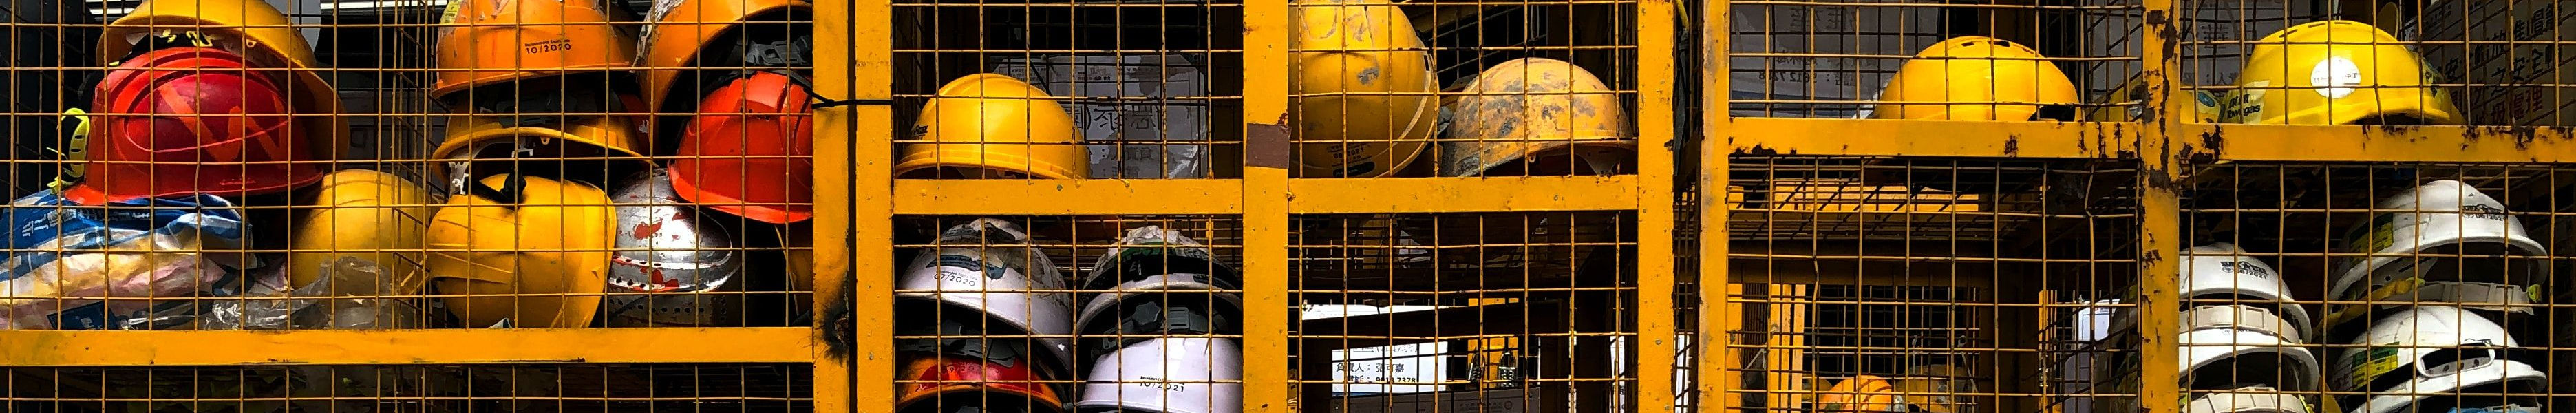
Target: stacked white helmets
[
  {"x": 2442, "y": 267},
  {"x": 1157, "y": 333},
  {"x": 2244, "y": 339},
  {"x": 984, "y": 317}
]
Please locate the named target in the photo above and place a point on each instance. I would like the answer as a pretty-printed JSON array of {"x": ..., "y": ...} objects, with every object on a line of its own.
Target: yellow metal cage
[{"x": 2065, "y": 245}]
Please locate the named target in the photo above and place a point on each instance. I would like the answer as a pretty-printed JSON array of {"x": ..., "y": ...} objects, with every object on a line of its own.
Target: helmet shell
[
  {"x": 2336, "y": 72},
  {"x": 933, "y": 380},
  {"x": 366, "y": 215},
  {"x": 2221, "y": 271},
  {"x": 1361, "y": 80},
  {"x": 2389, "y": 362},
  {"x": 1537, "y": 111},
  {"x": 498, "y": 41},
  {"x": 989, "y": 123},
  {"x": 1974, "y": 78},
  {"x": 978, "y": 271},
  {"x": 749, "y": 151},
  {"x": 264, "y": 37},
  {"x": 2439, "y": 215},
  {"x": 537, "y": 261},
  {"x": 672, "y": 267},
  {"x": 1167, "y": 375},
  {"x": 188, "y": 120}
]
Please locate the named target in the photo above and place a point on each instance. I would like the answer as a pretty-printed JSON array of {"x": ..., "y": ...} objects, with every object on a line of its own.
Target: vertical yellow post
[
  {"x": 852, "y": 220},
  {"x": 1656, "y": 335},
  {"x": 1717, "y": 359},
  {"x": 2160, "y": 214},
  {"x": 1268, "y": 311}
]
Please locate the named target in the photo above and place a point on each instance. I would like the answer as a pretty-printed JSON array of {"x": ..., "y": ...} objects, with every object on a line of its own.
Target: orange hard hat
[
  {"x": 484, "y": 43},
  {"x": 749, "y": 151},
  {"x": 187, "y": 120},
  {"x": 688, "y": 35}
]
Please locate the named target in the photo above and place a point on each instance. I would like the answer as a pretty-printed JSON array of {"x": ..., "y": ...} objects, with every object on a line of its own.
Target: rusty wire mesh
[
  {"x": 1866, "y": 283},
  {"x": 1836, "y": 59},
  {"x": 2316, "y": 225},
  {"x": 2429, "y": 62},
  {"x": 1488, "y": 312}
]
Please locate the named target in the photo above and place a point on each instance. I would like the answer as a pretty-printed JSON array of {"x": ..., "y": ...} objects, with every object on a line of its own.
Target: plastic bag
[
  {"x": 92, "y": 268},
  {"x": 269, "y": 309}
]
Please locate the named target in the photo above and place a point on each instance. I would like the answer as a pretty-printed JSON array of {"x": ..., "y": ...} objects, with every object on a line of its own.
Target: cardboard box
[
  {"x": 1834, "y": 31},
  {"x": 1147, "y": 100}
]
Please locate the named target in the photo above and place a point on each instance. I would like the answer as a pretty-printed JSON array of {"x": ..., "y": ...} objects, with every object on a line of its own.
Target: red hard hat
[
  {"x": 749, "y": 150},
  {"x": 191, "y": 120}
]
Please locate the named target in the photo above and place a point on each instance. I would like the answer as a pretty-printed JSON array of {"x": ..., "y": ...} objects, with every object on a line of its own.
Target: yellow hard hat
[
  {"x": 1540, "y": 113},
  {"x": 488, "y": 42},
  {"x": 1864, "y": 393},
  {"x": 2296, "y": 77},
  {"x": 489, "y": 137},
  {"x": 684, "y": 28},
  {"x": 986, "y": 123},
  {"x": 1975, "y": 78},
  {"x": 259, "y": 33},
  {"x": 364, "y": 215},
  {"x": 530, "y": 250},
  {"x": 1363, "y": 85}
]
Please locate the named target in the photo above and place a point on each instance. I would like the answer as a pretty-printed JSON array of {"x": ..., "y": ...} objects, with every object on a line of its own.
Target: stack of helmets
[
  {"x": 525, "y": 239},
  {"x": 2244, "y": 339},
  {"x": 214, "y": 97},
  {"x": 1158, "y": 328},
  {"x": 983, "y": 317},
  {"x": 2433, "y": 282}
]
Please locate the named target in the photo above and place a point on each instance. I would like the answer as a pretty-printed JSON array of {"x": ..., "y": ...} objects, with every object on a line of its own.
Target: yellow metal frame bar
[{"x": 216, "y": 348}]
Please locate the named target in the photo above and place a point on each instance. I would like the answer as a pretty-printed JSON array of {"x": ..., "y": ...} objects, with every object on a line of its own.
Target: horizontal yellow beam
[
  {"x": 1068, "y": 197},
  {"x": 2381, "y": 143},
  {"x": 1851, "y": 137},
  {"x": 1436, "y": 195},
  {"x": 62, "y": 348}
]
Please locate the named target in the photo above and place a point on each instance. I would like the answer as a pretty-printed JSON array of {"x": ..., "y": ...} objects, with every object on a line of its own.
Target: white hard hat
[
  {"x": 2428, "y": 355},
  {"x": 2440, "y": 214},
  {"x": 2249, "y": 399},
  {"x": 2227, "y": 341},
  {"x": 1150, "y": 251},
  {"x": 1167, "y": 375},
  {"x": 985, "y": 267},
  {"x": 2223, "y": 271}
]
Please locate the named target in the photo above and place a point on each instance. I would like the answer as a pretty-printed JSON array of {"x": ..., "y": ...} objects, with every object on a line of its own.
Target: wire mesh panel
[
  {"x": 1847, "y": 59},
  {"x": 1463, "y": 88},
  {"x": 1082, "y": 89},
  {"x": 1862, "y": 285},
  {"x": 2422, "y": 282},
  {"x": 2401, "y": 62},
  {"x": 1474, "y": 312}
]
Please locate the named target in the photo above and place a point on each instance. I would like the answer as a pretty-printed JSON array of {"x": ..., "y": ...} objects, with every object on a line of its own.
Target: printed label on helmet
[
  {"x": 2246, "y": 104},
  {"x": 2483, "y": 211},
  {"x": 2335, "y": 77},
  {"x": 2245, "y": 267},
  {"x": 2361, "y": 367},
  {"x": 1157, "y": 383},
  {"x": 959, "y": 271},
  {"x": 447, "y": 17}
]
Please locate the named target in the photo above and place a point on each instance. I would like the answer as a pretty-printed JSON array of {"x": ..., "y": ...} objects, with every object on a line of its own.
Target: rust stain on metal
[
  {"x": 1265, "y": 145},
  {"x": 837, "y": 327},
  {"x": 2012, "y": 145}
]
